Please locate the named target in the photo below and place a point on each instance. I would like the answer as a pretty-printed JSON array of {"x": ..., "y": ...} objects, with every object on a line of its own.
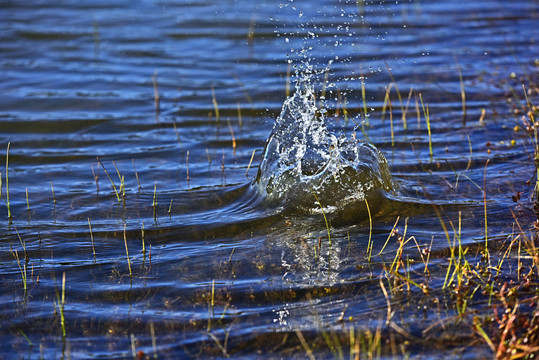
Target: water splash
[{"x": 303, "y": 158}]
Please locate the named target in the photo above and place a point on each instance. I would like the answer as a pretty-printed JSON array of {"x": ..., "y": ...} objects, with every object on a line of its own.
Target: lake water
[{"x": 178, "y": 99}]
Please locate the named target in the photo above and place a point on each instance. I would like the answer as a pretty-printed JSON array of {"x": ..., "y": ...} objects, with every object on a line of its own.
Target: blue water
[{"x": 79, "y": 82}]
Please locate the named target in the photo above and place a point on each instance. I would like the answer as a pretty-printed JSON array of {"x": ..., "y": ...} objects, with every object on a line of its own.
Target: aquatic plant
[{"x": 110, "y": 179}]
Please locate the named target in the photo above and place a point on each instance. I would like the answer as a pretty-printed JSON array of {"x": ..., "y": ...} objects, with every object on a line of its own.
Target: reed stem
[
  {"x": 399, "y": 96},
  {"x": 121, "y": 178},
  {"x": 23, "y": 271},
  {"x": 187, "y": 166},
  {"x": 390, "y": 117},
  {"x": 7, "y": 183},
  {"x": 240, "y": 119},
  {"x": 288, "y": 71},
  {"x": 427, "y": 120},
  {"x": 324, "y": 214},
  {"x": 136, "y": 175},
  {"x": 462, "y": 92},
  {"x": 127, "y": 251},
  {"x": 53, "y": 195},
  {"x": 232, "y": 135},
  {"x": 364, "y": 100},
  {"x": 92, "y": 238},
  {"x": 250, "y": 162},
  {"x": 154, "y": 204},
  {"x": 215, "y": 105},
  {"x": 370, "y": 244},
  {"x": 156, "y": 92},
  {"x": 142, "y": 234},
  {"x": 110, "y": 179},
  {"x": 485, "y": 206}
]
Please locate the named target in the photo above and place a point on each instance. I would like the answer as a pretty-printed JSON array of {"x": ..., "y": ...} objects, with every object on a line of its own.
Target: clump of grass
[
  {"x": 505, "y": 327},
  {"x": 362, "y": 344}
]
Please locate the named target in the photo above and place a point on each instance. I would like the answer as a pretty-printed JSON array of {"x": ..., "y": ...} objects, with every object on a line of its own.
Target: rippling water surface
[{"x": 177, "y": 100}]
